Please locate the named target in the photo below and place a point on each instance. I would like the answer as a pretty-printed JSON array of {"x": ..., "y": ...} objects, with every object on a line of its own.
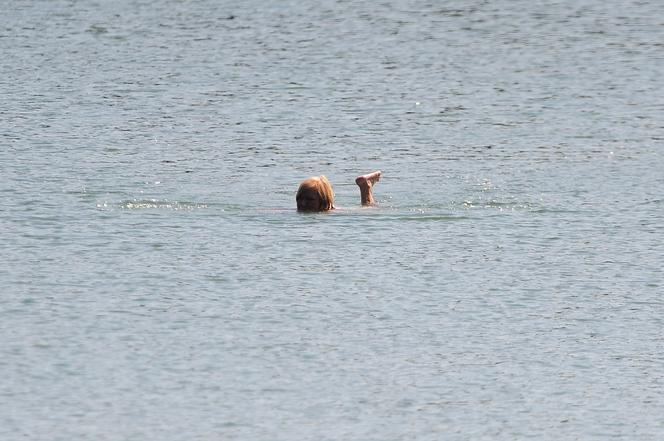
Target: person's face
[{"x": 308, "y": 200}]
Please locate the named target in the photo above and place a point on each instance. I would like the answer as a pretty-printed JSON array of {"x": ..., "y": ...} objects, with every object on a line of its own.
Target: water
[{"x": 158, "y": 283}]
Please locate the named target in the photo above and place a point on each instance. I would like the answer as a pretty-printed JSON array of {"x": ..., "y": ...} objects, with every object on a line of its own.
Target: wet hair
[{"x": 321, "y": 187}]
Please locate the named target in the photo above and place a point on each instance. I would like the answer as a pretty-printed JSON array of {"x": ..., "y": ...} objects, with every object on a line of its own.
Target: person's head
[{"x": 315, "y": 194}]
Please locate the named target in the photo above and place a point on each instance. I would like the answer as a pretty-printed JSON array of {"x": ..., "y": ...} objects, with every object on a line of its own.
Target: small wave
[
  {"x": 154, "y": 204},
  {"x": 432, "y": 218},
  {"x": 97, "y": 29},
  {"x": 498, "y": 205}
]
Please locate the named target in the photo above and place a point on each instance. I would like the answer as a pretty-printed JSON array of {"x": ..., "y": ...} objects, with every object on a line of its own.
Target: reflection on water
[{"x": 155, "y": 204}]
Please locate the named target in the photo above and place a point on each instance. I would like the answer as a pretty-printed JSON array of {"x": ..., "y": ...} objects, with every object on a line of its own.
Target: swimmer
[{"x": 315, "y": 193}]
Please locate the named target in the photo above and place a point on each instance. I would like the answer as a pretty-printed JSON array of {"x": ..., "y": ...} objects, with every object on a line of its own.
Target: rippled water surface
[{"x": 158, "y": 284}]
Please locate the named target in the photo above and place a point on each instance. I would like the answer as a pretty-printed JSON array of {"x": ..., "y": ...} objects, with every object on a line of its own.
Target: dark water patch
[
  {"x": 97, "y": 29},
  {"x": 653, "y": 202}
]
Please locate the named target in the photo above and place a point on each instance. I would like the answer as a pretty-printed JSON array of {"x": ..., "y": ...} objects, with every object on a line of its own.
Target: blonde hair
[{"x": 321, "y": 187}]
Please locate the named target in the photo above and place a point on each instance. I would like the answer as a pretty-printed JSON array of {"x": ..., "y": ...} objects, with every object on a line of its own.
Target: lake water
[{"x": 158, "y": 284}]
